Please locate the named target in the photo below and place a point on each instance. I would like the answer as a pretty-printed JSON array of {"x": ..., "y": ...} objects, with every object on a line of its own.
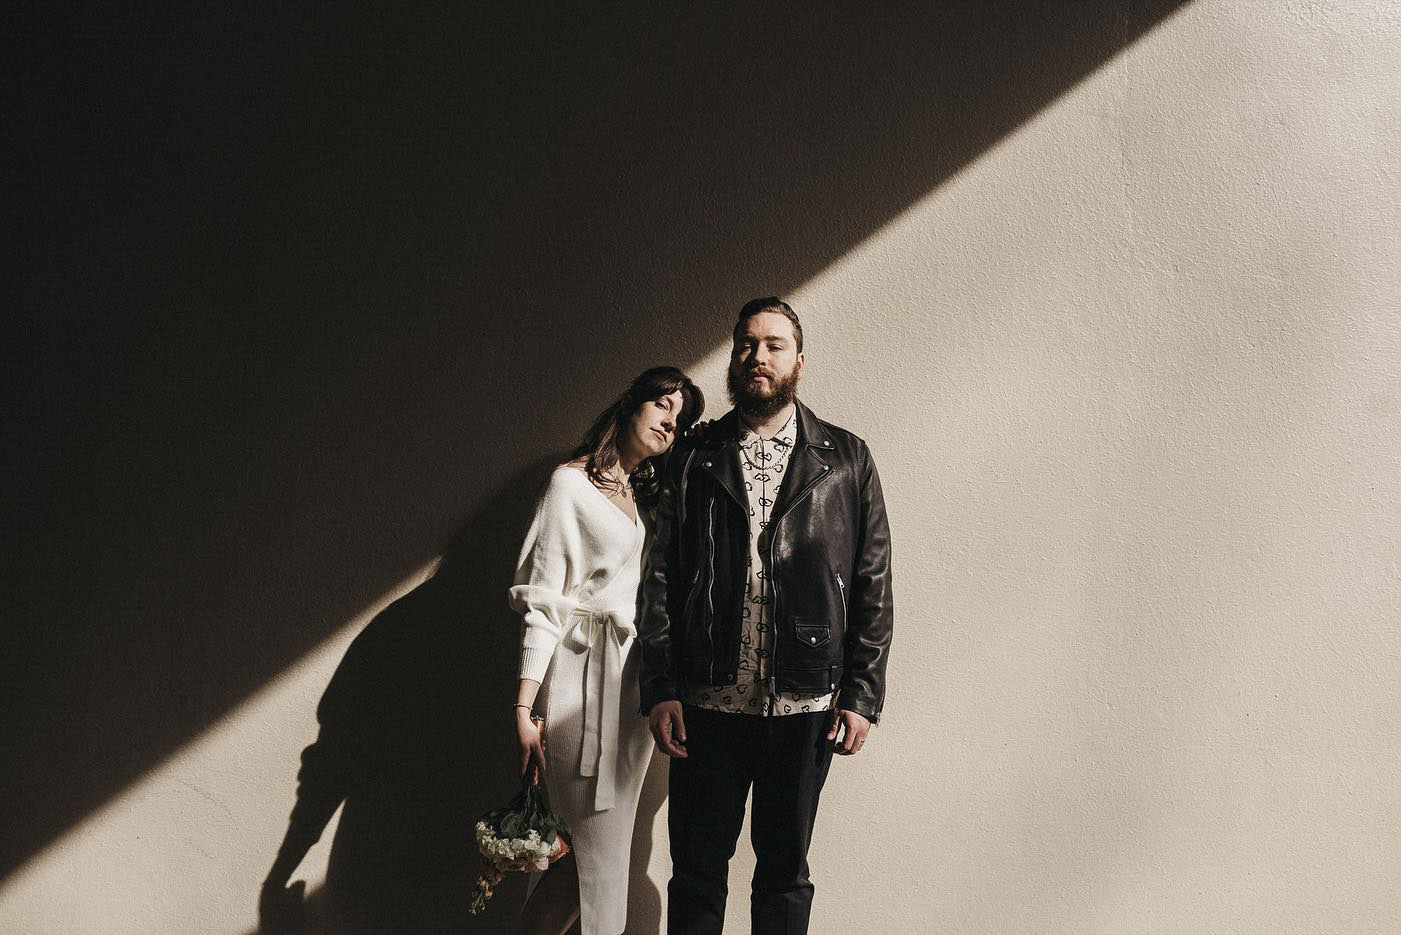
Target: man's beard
[{"x": 751, "y": 403}]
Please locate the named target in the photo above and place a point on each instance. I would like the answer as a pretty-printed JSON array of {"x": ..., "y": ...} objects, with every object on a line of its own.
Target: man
[{"x": 765, "y": 628}]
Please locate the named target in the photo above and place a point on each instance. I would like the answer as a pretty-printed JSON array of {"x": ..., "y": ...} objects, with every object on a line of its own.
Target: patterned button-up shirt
[{"x": 763, "y": 462}]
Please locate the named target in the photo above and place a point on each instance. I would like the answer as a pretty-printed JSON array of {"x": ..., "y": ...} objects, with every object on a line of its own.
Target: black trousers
[{"x": 785, "y": 759}]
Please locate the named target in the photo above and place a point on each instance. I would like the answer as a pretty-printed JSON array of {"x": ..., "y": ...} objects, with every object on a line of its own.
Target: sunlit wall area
[
  {"x": 1131, "y": 380},
  {"x": 185, "y": 849}
]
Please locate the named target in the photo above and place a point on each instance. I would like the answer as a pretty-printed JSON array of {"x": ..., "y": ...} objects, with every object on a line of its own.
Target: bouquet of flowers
[{"x": 522, "y": 836}]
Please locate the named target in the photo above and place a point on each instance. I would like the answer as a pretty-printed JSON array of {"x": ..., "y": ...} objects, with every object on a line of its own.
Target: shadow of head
[{"x": 416, "y": 733}]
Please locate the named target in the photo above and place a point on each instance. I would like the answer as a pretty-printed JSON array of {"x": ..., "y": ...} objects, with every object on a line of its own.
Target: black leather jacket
[{"x": 829, "y": 563}]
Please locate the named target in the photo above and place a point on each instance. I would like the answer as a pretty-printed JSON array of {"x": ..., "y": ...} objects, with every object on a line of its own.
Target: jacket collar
[
  {"x": 725, "y": 430},
  {"x": 718, "y": 451},
  {"x": 719, "y": 456},
  {"x": 807, "y": 466},
  {"x": 810, "y": 429}
]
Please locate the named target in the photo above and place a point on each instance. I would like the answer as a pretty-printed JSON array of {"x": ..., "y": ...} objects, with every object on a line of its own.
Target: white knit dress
[{"x": 576, "y": 588}]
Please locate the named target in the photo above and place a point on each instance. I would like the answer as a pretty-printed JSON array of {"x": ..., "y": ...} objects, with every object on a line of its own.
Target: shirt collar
[{"x": 783, "y": 438}]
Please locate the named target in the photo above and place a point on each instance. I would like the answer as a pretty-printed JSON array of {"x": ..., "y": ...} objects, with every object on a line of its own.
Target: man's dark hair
[{"x": 770, "y": 303}]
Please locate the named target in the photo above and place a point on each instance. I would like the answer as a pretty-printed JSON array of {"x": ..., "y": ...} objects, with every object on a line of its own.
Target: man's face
[{"x": 764, "y": 365}]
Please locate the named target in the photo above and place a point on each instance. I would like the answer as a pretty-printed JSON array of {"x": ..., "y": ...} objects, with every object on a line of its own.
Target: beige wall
[{"x": 1131, "y": 380}]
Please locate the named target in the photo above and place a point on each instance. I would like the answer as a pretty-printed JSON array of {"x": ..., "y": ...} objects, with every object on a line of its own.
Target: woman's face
[{"x": 654, "y": 424}]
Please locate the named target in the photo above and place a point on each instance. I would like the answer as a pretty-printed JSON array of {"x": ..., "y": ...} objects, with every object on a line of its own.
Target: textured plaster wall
[{"x": 1131, "y": 380}]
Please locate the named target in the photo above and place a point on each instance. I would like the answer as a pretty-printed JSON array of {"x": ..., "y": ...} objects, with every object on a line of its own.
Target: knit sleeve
[{"x": 547, "y": 573}]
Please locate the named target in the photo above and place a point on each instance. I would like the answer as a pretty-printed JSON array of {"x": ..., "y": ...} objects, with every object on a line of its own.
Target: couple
[{"x": 752, "y": 631}]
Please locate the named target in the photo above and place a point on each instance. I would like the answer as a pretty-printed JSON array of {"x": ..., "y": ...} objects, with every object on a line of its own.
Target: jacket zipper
[
  {"x": 774, "y": 628},
  {"x": 710, "y": 588},
  {"x": 773, "y": 587},
  {"x": 841, "y": 589}
]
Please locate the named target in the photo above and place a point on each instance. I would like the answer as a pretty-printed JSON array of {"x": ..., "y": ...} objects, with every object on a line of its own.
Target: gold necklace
[{"x": 624, "y": 486}]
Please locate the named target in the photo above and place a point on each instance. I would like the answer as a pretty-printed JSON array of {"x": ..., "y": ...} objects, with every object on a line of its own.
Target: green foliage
[{"x": 529, "y": 810}]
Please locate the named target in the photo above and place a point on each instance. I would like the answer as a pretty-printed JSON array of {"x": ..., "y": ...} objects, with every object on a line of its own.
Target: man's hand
[
  {"x": 854, "y": 730},
  {"x": 668, "y": 728}
]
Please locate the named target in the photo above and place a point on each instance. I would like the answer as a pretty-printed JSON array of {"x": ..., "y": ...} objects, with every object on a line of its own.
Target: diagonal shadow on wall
[{"x": 313, "y": 289}]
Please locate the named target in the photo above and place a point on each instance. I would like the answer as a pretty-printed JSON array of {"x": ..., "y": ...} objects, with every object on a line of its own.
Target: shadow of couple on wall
[{"x": 415, "y": 741}]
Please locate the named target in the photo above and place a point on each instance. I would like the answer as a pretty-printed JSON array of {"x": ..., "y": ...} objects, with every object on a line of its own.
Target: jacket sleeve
[
  {"x": 659, "y": 669},
  {"x": 871, "y": 617},
  {"x": 544, "y": 574}
]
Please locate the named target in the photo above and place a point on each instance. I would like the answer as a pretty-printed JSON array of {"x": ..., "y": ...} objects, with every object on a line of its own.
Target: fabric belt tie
[{"x": 601, "y": 635}]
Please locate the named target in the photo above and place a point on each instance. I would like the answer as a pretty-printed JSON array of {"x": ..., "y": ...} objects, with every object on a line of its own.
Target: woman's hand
[{"x": 531, "y": 744}]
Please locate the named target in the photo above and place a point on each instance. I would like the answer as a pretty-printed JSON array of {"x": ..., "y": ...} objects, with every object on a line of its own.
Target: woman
[{"x": 576, "y": 587}]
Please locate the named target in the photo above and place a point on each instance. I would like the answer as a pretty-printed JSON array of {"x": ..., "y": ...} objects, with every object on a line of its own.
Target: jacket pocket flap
[{"x": 812, "y": 634}]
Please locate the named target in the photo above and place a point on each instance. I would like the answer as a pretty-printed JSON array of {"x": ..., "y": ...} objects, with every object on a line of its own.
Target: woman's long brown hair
[{"x": 599, "y": 448}]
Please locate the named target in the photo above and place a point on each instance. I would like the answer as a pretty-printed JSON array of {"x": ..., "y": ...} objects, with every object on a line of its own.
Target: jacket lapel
[
  {"x": 719, "y": 457},
  {"x": 806, "y": 467}
]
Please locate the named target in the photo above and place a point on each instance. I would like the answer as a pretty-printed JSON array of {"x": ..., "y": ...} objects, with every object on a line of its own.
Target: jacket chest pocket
[{"x": 811, "y": 632}]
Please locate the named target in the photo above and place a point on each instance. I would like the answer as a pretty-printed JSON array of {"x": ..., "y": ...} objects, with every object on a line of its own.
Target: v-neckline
[{"x": 634, "y": 520}]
